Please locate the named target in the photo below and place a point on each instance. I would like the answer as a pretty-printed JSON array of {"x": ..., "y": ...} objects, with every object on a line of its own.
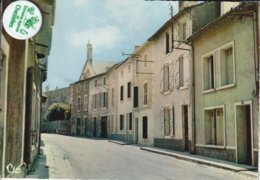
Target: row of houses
[
  {"x": 192, "y": 86},
  {"x": 23, "y": 68}
]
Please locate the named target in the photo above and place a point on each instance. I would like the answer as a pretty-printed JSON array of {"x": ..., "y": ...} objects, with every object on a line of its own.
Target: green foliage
[{"x": 59, "y": 111}]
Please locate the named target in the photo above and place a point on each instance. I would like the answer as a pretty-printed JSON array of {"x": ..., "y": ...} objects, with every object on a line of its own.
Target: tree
[{"x": 59, "y": 111}]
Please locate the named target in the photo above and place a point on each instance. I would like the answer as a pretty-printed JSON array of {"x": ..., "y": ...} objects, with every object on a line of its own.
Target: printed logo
[{"x": 22, "y": 19}]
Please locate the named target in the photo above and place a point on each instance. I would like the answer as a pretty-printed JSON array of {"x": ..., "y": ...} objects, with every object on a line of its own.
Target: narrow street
[{"x": 74, "y": 157}]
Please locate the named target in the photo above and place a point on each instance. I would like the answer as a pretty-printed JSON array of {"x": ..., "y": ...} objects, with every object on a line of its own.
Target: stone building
[
  {"x": 23, "y": 68},
  {"x": 90, "y": 99},
  {"x": 55, "y": 96},
  {"x": 225, "y": 71}
]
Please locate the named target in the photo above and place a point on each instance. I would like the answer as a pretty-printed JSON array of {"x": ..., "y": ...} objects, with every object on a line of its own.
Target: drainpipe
[{"x": 192, "y": 101}]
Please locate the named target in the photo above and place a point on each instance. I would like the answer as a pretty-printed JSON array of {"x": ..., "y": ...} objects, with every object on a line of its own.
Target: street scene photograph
[{"x": 129, "y": 89}]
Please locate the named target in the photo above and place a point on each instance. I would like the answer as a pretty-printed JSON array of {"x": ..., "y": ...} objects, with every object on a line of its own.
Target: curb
[
  {"x": 241, "y": 170},
  {"x": 119, "y": 142}
]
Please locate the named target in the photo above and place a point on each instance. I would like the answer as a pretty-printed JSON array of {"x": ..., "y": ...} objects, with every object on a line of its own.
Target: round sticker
[{"x": 22, "y": 19}]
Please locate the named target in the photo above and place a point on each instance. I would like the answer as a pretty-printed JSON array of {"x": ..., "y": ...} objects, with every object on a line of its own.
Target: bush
[{"x": 59, "y": 111}]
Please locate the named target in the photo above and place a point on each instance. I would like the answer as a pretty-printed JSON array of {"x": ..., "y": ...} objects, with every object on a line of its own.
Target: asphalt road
[{"x": 100, "y": 159}]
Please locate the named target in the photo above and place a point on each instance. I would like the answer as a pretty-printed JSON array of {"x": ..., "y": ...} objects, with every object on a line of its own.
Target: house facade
[
  {"x": 172, "y": 110},
  {"x": 143, "y": 94},
  {"x": 89, "y": 98},
  {"x": 226, "y": 86},
  {"x": 23, "y": 68}
]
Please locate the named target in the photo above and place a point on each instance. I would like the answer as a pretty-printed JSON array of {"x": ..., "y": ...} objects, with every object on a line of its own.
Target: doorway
[
  {"x": 104, "y": 127},
  {"x": 185, "y": 127},
  {"x": 136, "y": 130},
  {"x": 244, "y": 134},
  {"x": 95, "y": 127},
  {"x": 78, "y": 127},
  {"x": 145, "y": 127}
]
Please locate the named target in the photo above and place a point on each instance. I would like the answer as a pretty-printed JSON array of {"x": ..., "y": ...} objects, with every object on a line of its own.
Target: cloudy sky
[{"x": 111, "y": 26}]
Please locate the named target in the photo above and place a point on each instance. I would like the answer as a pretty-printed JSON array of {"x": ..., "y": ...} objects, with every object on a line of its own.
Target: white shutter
[
  {"x": 171, "y": 75},
  {"x": 177, "y": 73},
  {"x": 176, "y": 37},
  {"x": 162, "y": 122},
  {"x": 171, "y": 121},
  {"x": 161, "y": 80}
]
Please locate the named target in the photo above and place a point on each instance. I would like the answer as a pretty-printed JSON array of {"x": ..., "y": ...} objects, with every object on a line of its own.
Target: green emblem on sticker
[
  {"x": 22, "y": 19},
  {"x": 31, "y": 10},
  {"x": 31, "y": 22}
]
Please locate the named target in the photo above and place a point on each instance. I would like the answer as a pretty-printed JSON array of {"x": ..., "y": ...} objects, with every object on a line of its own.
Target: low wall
[{"x": 58, "y": 127}]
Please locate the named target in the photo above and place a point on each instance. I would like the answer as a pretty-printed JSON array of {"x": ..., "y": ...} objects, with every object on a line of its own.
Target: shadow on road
[{"x": 41, "y": 170}]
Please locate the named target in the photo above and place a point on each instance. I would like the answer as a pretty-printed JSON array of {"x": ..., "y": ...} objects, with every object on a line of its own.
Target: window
[
  {"x": 214, "y": 130},
  {"x": 96, "y": 83},
  {"x": 184, "y": 32},
  {"x": 145, "y": 94},
  {"x": 226, "y": 66},
  {"x": 85, "y": 85},
  {"x": 135, "y": 96},
  {"x": 167, "y": 43},
  {"x": 208, "y": 73},
  {"x": 112, "y": 96},
  {"x": 112, "y": 123},
  {"x": 129, "y": 67},
  {"x": 78, "y": 87},
  {"x": 166, "y": 120},
  {"x": 166, "y": 79},
  {"x": 121, "y": 93},
  {"x": 180, "y": 72},
  {"x": 85, "y": 102},
  {"x": 104, "y": 99},
  {"x": 130, "y": 121},
  {"x": 129, "y": 90},
  {"x": 122, "y": 122},
  {"x": 122, "y": 73},
  {"x": 94, "y": 101},
  {"x": 145, "y": 61},
  {"x": 145, "y": 127},
  {"x": 78, "y": 103},
  {"x": 104, "y": 80}
]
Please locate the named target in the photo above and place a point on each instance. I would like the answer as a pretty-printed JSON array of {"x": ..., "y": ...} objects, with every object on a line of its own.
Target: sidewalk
[
  {"x": 52, "y": 163},
  {"x": 240, "y": 168}
]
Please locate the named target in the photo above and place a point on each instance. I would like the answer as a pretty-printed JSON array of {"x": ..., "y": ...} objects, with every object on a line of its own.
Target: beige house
[
  {"x": 226, "y": 86},
  {"x": 125, "y": 101},
  {"x": 143, "y": 94},
  {"x": 172, "y": 108}
]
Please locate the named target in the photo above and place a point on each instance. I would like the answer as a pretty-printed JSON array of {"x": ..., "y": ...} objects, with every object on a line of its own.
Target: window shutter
[
  {"x": 177, "y": 73},
  {"x": 171, "y": 76},
  {"x": 171, "y": 121},
  {"x": 106, "y": 99},
  {"x": 161, "y": 80},
  {"x": 93, "y": 99},
  {"x": 162, "y": 122}
]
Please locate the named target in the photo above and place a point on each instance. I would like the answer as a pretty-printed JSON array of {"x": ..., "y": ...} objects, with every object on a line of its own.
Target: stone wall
[{"x": 59, "y": 127}]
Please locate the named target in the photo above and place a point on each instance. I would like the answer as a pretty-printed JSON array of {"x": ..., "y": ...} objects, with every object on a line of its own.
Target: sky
[{"x": 111, "y": 26}]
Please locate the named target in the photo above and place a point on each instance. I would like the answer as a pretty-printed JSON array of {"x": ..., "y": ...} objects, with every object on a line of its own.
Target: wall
[{"x": 242, "y": 36}]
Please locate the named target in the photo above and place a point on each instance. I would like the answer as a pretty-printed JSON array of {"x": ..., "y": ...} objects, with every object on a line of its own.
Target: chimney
[
  {"x": 184, "y": 4},
  {"x": 89, "y": 52}
]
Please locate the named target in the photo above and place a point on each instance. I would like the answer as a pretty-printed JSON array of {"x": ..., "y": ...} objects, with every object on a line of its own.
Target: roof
[
  {"x": 232, "y": 11},
  {"x": 172, "y": 19},
  {"x": 101, "y": 66}
]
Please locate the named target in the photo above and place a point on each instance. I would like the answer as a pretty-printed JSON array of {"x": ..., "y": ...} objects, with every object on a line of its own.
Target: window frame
[
  {"x": 224, "y": 126},
  {"x": 122, "y": 93},
  {"x": 145, "y": 94},
  {"x": 78, "y": 104},
  {"x": 121, "y": 122},
  {"x": 129, "y": 90},
  {"x": 224, "y": 48}
]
